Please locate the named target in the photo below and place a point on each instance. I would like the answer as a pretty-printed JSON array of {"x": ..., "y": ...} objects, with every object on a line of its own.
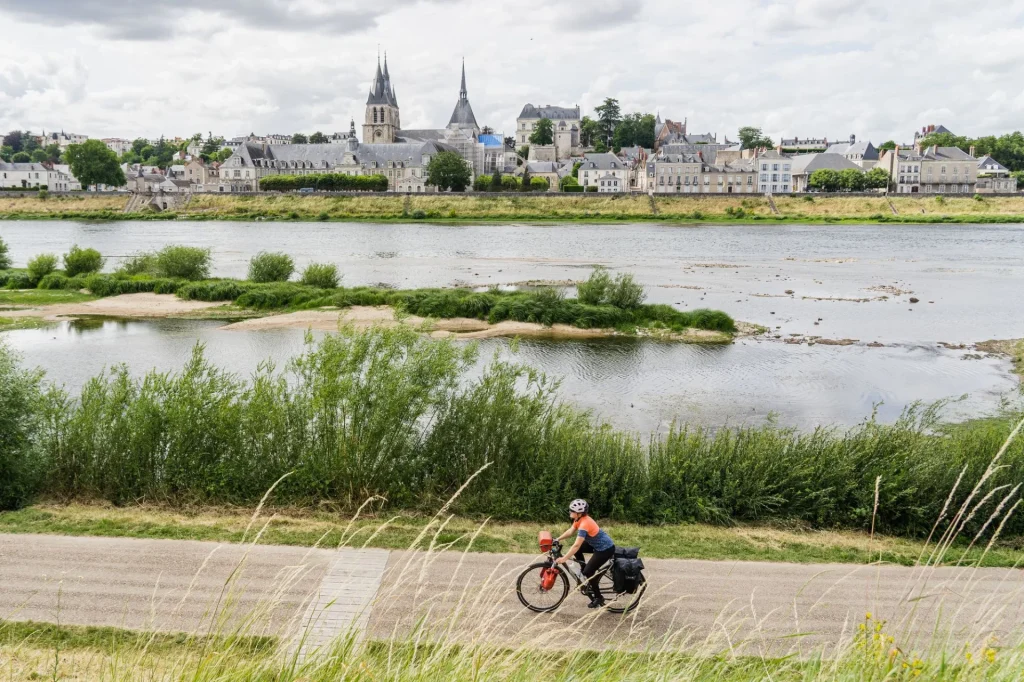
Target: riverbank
[{"x": 474, "y": 208}]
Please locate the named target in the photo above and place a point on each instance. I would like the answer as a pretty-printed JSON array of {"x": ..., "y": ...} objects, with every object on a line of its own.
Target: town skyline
[{"x": 212, "y": 71}]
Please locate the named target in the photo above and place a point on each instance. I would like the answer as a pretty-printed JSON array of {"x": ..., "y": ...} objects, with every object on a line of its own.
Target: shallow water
[
  {"x": 968, "y": 277},
  {"x": 636, "y": 384}
]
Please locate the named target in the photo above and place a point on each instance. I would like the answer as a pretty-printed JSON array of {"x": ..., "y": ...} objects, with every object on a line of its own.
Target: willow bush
[{"x": 390, "y": 412}]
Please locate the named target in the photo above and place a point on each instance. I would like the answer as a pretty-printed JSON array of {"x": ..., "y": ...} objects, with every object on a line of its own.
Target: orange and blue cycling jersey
[{"x": 588, "y": 529}]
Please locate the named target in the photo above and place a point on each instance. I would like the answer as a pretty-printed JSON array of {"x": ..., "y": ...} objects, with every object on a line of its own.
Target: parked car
[{"x": 306, "y": 190}]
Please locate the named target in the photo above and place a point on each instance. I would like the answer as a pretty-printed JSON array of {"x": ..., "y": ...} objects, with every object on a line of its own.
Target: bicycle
[{"x": 542, "y": 591}]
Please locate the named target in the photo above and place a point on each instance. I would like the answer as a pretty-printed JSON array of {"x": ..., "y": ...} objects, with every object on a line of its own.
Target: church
[{"x": 387, "y": 149}]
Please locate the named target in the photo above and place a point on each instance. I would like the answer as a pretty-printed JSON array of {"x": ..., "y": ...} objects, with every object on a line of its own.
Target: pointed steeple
[
  {"x": 387, "y": 76},
  {"x": 462, "y": 116},
  {"x": 463, "y": 95},
  {"x": 352, "y": 128}
]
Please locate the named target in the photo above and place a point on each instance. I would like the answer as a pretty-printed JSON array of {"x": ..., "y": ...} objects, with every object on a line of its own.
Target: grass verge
[
  {"x": 34, "y": 297},
  {"x": 306, "y": 528}
]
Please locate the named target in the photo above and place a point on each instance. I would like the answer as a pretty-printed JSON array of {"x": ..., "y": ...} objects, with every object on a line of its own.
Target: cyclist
[{"x": 592, "y": 540}]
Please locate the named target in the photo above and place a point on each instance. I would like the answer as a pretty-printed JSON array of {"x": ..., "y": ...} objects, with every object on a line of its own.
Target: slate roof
[
  {"x": 283, "y": 156},
  {"x": 606, "y": 161},
  {"x": 530, "y": 111},
  {"x": 989, "y": 164},
  {"x": 23, "y": 167},
  {"x": 866, "y": 150},
  {"x": 805, "y": 164},
  {"x": 381, "y": 91},
  {"x": 947, "y": 153},
  {"x": 543, "y": 167},
  {"x": 463, "y": 116}
]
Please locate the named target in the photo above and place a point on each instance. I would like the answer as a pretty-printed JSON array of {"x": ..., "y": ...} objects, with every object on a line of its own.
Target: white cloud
[{"x": 801, "y": 67}]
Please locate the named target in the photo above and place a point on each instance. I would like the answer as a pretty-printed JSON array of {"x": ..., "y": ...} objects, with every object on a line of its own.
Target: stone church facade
[{"x": 400, "y": 155}]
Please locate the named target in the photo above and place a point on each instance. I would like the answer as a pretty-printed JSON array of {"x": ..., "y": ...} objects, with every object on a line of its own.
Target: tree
[
  {"x": 6, "y": 152},
  {"x": 13, "y": 140},
  {"x": 543, "y": 132},
  {"x": 223, "y": 155},
  {"x": 138, "y": 144},
  {"x": 753, "y": 138},
  {"x": 608, "y": 117},
  {"x": 876, "y": 178},
  {"x": 318, "y": 138},
  {"x": 625, "y": 132},
  {"x": 568, "y": 181},
  {"x": 38, "y": 156},
  {"x": 825, "y": 179},
  {"x": 496, "y": 180},
  {"x": 52, "y": 152},
  {"x": 93, "y": 163},
  {"x": 852, "y": 180},
  {"x": 888, "y": 144},
  {"x": 487, "y": 130},
  {"x": 1019, "y": 176},
  {"x": 449, "y": 171},
  {"x": 22, "y": 157},
  {"x": 211, "y": 146},
  {"x": 299, "y": 138},
  {"x": 510, "y": 142},
  {"x": 644, "y": 131},
  {"x": 524, "y": 152},
  {"x": 527, "y": 181},
  {"x": 588, "y": 131},
  {"x": 600, "y": 147}
]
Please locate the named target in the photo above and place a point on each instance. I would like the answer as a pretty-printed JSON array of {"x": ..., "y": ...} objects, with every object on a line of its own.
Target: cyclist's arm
[
  {"x": 566, "y": 534},
  {"x": 572, "y": 550}
]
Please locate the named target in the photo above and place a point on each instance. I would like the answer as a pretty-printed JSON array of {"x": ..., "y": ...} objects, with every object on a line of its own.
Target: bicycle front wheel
[{"x": 532, "y": 593}]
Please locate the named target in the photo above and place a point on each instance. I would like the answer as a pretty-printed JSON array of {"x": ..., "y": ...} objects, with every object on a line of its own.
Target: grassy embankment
[
  {"x": 310, "y": 527},
  {"x": 394, "y": 414},
  {"x": 539, "y": 207}
]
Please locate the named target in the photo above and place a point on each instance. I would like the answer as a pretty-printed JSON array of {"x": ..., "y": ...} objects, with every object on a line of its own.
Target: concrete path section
[
  {"x": 169, "y": 585},
  {"x": 342, "y": 604}
]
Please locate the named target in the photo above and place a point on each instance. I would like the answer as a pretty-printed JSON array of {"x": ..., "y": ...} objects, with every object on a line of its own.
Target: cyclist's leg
[
  {"x": 596, "y": 561},
  {"x": 585, "y": 548}
]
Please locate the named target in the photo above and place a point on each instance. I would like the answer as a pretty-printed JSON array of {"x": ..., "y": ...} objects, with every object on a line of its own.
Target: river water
[{"x": 848, "y": 282}]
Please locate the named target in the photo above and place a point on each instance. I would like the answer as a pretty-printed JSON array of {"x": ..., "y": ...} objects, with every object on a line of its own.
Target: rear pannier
[{"x": 627, "y": 569}]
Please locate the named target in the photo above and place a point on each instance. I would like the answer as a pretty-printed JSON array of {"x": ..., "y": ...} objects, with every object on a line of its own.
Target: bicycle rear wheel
[
  {"x": 532, "y": 594},
  {"x": 620, "y": 603}
]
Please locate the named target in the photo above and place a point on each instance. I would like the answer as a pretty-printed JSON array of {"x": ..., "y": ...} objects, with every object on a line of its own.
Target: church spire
[{"x": 463, "y": 95}]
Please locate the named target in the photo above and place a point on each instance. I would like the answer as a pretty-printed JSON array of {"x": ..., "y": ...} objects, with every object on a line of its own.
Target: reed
[{"x": 394, "y": 414}]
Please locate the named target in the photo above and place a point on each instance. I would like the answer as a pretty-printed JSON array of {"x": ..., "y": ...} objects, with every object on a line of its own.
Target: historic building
[
  {"x": 387, "y": 149},
  {"x": 565, "y": 131}
]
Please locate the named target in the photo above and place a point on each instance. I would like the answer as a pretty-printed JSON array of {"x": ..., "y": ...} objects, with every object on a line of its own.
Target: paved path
[{"x": 175, "y": 585}]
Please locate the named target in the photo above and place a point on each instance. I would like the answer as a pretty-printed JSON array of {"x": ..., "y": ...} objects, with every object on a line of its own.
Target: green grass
[
  {"x": 34, "y": 297},
  {"x": 299, "y": 527},
  {"x": 39, "y": 635}
]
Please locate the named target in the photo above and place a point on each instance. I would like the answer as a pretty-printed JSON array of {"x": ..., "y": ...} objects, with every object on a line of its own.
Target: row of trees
[
  {"x": 848, "y": 180},
  {"x": 20, "y": 146},
  {"x": 610, "y": 130},
  {"x": 328, "y": 182},
  {"x": 1006, "y": 149}
]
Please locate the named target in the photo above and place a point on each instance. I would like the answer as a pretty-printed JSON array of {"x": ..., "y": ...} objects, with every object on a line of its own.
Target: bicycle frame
[{"x": 556, "y": 553}]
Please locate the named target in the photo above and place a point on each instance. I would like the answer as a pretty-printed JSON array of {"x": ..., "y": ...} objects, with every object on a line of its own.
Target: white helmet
[{"x": 579, "y": 506}]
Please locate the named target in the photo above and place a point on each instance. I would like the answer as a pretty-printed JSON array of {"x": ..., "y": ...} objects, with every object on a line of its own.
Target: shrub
[
  {"x": 940, "y": 199},
  {"x": 44, "y": 194},
  {"x": 5, "y": 258},
  {"x": 184, "y": 262},
  {"x": 54, "y": 280},
  {"x": 141, "y": 263},
  {"x": 625, "y": 293},
  {"x": 595, "y": 289},
  {"x": 82, "y": 261},
  {"x": 41, "y": 266},
  {"x": 20, "y": 410},
  {"x": 270, "y": 267},
  {"x": 321, "y": 275},
  {"x": 978, "y": 197},
  {"x": 418, "y": 214}
]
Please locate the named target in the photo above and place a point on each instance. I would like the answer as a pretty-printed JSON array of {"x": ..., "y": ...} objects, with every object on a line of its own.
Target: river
[{"x": 847, "y": 282}]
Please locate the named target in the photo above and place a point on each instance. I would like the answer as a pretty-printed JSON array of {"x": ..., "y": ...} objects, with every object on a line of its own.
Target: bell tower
[{"x": 382, "y": 123}]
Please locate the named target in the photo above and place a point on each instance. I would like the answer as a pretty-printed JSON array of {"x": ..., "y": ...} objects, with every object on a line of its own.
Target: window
[
  {"x": 775, "y": 166},
  {"x": 956, "y": 170},
  {"x": 764, "y": 177},
  {"x": 953, "y": 189},
  {"x": 943, "y": 170},
  {"x": 764, "y": 188},
  {"x": 785, "y": 177},
  {"x": 942, "y": 188},
  {"x": 764, "y": 166},
  {"x": 750, "y": 180},
  {"x": 775, "y": 177},
  {"x": 785, "y": 166},
  {"x": 966, "y": 190},
  {"x": 775, "y": 188}
]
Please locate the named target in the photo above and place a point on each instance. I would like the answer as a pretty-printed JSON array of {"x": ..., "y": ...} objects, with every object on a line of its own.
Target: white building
[
  {"x": 864, "y": 154},
  {"x": 62, "y": 139},
  {"x": 565, "y": 130},
  {"x": 117, "y": 145},
  {"x": 609, "y": 183},
  {"x": 73, "y": 184},
  {"x": 774, "y": 173},
  {"x": 33, "y": 176},
  {"x": 994, "y": 177},
  {"x": 595, "y": 167}
]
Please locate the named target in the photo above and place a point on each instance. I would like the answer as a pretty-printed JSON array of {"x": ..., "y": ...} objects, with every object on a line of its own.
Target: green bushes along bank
[{"x": 396, "y": 414}]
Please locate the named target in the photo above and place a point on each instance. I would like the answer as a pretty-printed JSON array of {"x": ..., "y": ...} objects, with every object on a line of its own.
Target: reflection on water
[{"x": 637, "y": 384}]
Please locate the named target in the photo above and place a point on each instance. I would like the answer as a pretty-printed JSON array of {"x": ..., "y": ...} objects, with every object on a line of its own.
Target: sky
[{"x": 809, "y": 68}]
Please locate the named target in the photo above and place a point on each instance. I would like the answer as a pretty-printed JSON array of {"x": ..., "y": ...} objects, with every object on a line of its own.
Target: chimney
[
  {"x": 917, "y": 147},
  {"x": 779, "y": 149},
  {"x": 971, "y": 152}
]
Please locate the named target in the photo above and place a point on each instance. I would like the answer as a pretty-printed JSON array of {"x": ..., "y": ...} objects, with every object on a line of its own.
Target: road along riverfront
[{"x": 752, "y": 607}]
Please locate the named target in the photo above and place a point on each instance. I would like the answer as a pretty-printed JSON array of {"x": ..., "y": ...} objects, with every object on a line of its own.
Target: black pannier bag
[{"x": 627, "y": 567}]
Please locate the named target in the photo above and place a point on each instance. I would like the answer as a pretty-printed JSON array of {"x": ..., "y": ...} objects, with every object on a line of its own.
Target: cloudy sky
[{"x": 877, "y": 68}]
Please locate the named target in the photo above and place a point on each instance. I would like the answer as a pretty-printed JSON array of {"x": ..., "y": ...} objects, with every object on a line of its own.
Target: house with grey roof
[
  {"x": 804, "y": 165},
  {"x": 565, "y": 124},
  {"x": 994, "y": 177},
  {"x": 594, "y": 166},
  {"x": 774, "y": 172},
  {"x": 864, "y": 154},
  {"x": 33, "y": 176},
  {"x": 931, "y": 170}
]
